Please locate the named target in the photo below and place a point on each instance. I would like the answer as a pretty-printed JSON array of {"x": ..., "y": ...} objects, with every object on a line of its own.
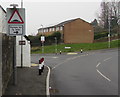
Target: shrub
[
  {"x": 100, "y": 35},
  {"x": 51, "y": 38}
]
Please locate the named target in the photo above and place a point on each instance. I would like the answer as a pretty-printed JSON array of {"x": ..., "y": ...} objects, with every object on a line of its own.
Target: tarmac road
[{"x": 89, "y": 73}]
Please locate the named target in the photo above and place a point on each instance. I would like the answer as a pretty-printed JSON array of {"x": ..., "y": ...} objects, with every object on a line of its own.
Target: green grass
[{"x": 76, "y": 47}]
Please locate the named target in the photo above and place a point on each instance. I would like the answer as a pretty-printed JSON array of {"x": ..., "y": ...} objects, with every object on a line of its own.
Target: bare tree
[{"x": 109, "y": 10}]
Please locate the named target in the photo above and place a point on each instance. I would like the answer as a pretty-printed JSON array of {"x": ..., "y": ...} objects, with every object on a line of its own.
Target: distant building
[
  {"x": 73, "y": 31},
  {"x": 2, "y": 20}
]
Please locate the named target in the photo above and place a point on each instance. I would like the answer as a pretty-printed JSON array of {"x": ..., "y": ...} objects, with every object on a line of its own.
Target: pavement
[{"x": 29, "y": 82}]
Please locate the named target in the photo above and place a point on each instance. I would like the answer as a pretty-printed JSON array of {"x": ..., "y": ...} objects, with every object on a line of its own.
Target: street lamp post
[
  {"x": 109, "y": 35},
  {"x": 109, "y": 32}
]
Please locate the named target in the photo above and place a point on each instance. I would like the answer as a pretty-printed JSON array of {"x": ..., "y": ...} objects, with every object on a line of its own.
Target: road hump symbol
[{"x": 15, "y": 18}]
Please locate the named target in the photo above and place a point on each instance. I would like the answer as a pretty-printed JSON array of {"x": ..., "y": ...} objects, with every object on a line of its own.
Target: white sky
[{"x": 47, "y": 12}]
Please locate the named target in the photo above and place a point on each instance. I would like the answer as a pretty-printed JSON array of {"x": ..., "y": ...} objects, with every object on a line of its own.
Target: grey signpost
[
  {"x": 42, "y": 40},
  {"x": 15, "y": 27}
]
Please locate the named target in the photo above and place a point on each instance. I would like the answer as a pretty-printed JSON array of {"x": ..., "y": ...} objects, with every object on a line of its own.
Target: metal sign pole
[
  {"x": 21, "y": 40},
  {"x": 42, "y": 47},
  {"x": 21, "y": 53},
  {"x": 14, "y": 62},
  {"x": 14, "y": 55},
  {"x": 15, "y": 27},
  {"x": 42, "y": 40}
]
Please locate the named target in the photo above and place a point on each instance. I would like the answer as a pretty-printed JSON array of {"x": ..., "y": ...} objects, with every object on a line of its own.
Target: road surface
[{"x": 89, "y": 73}]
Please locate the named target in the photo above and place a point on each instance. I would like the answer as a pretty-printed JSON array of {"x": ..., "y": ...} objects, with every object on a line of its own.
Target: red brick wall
[{"x": 78, "y": 31}]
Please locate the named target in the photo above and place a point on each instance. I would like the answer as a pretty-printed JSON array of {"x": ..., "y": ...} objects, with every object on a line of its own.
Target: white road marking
[
  {"x": 98, "y": 64},
  {"x": 100, "y": 72},
  {"x": 47, "y": 82},
  {"x": 107, "y": 59},
  {"x": 54, "y": 57},
  {"x": 33, "y": 64},
  {"x": 103, "y": 75},
  {"x": 68, "y": 60},
  {"x": 64, "y": 62},
  {"x": 72, "y": 53},
  {"x": 60, "y": 63}
]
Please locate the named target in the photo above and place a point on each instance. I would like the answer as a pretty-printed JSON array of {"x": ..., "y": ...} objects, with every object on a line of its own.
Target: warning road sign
[
  {"x": 15, "y": 18},
  {"x": 16, "y": 21}
]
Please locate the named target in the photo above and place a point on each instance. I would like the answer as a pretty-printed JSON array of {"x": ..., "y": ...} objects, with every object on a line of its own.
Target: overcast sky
[{"x": 55, "y": 11}]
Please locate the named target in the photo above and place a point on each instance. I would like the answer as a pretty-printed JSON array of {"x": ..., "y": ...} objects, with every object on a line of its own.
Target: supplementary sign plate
[
  {"x": 16, "y": 30},
  {"x": 22, "y": 42}
]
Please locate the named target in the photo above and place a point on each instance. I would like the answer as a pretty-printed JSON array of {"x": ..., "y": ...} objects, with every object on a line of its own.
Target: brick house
[{"x": 73, "y": 31}]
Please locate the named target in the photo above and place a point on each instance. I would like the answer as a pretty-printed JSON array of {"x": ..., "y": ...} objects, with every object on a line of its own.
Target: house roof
[
  {"x": 63, "y": 23},
  {"x": 2, "y": 8}
]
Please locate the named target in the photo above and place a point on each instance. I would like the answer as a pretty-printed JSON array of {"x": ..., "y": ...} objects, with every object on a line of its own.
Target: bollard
[
  {"x": 40, "y": 69},
  {"x": 60, "y": 52},
  {"x": 81, "y": 50},
  {"x": 41, "y": 65}
]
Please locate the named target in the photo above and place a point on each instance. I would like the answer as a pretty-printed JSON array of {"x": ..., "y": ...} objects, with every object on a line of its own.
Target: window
[
  {"x": 53, "y": 29},
  {"x": 50, "y": 29},
  {"x": 57, "y": 28},
  {"x": 40, "y": 30},
  {"x": 46, "y": 30},
  {"x": 61, "y": 28}
]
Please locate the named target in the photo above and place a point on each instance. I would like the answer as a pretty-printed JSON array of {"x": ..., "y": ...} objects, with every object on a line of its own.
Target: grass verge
[{"x": 76, "y": 47}]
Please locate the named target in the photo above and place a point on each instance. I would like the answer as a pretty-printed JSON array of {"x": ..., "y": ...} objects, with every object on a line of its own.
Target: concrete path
[{"x": 28, "y": 82}]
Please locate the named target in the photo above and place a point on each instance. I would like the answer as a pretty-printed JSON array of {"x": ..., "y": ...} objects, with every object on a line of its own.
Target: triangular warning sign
[{"x": 15, "y": 18}]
